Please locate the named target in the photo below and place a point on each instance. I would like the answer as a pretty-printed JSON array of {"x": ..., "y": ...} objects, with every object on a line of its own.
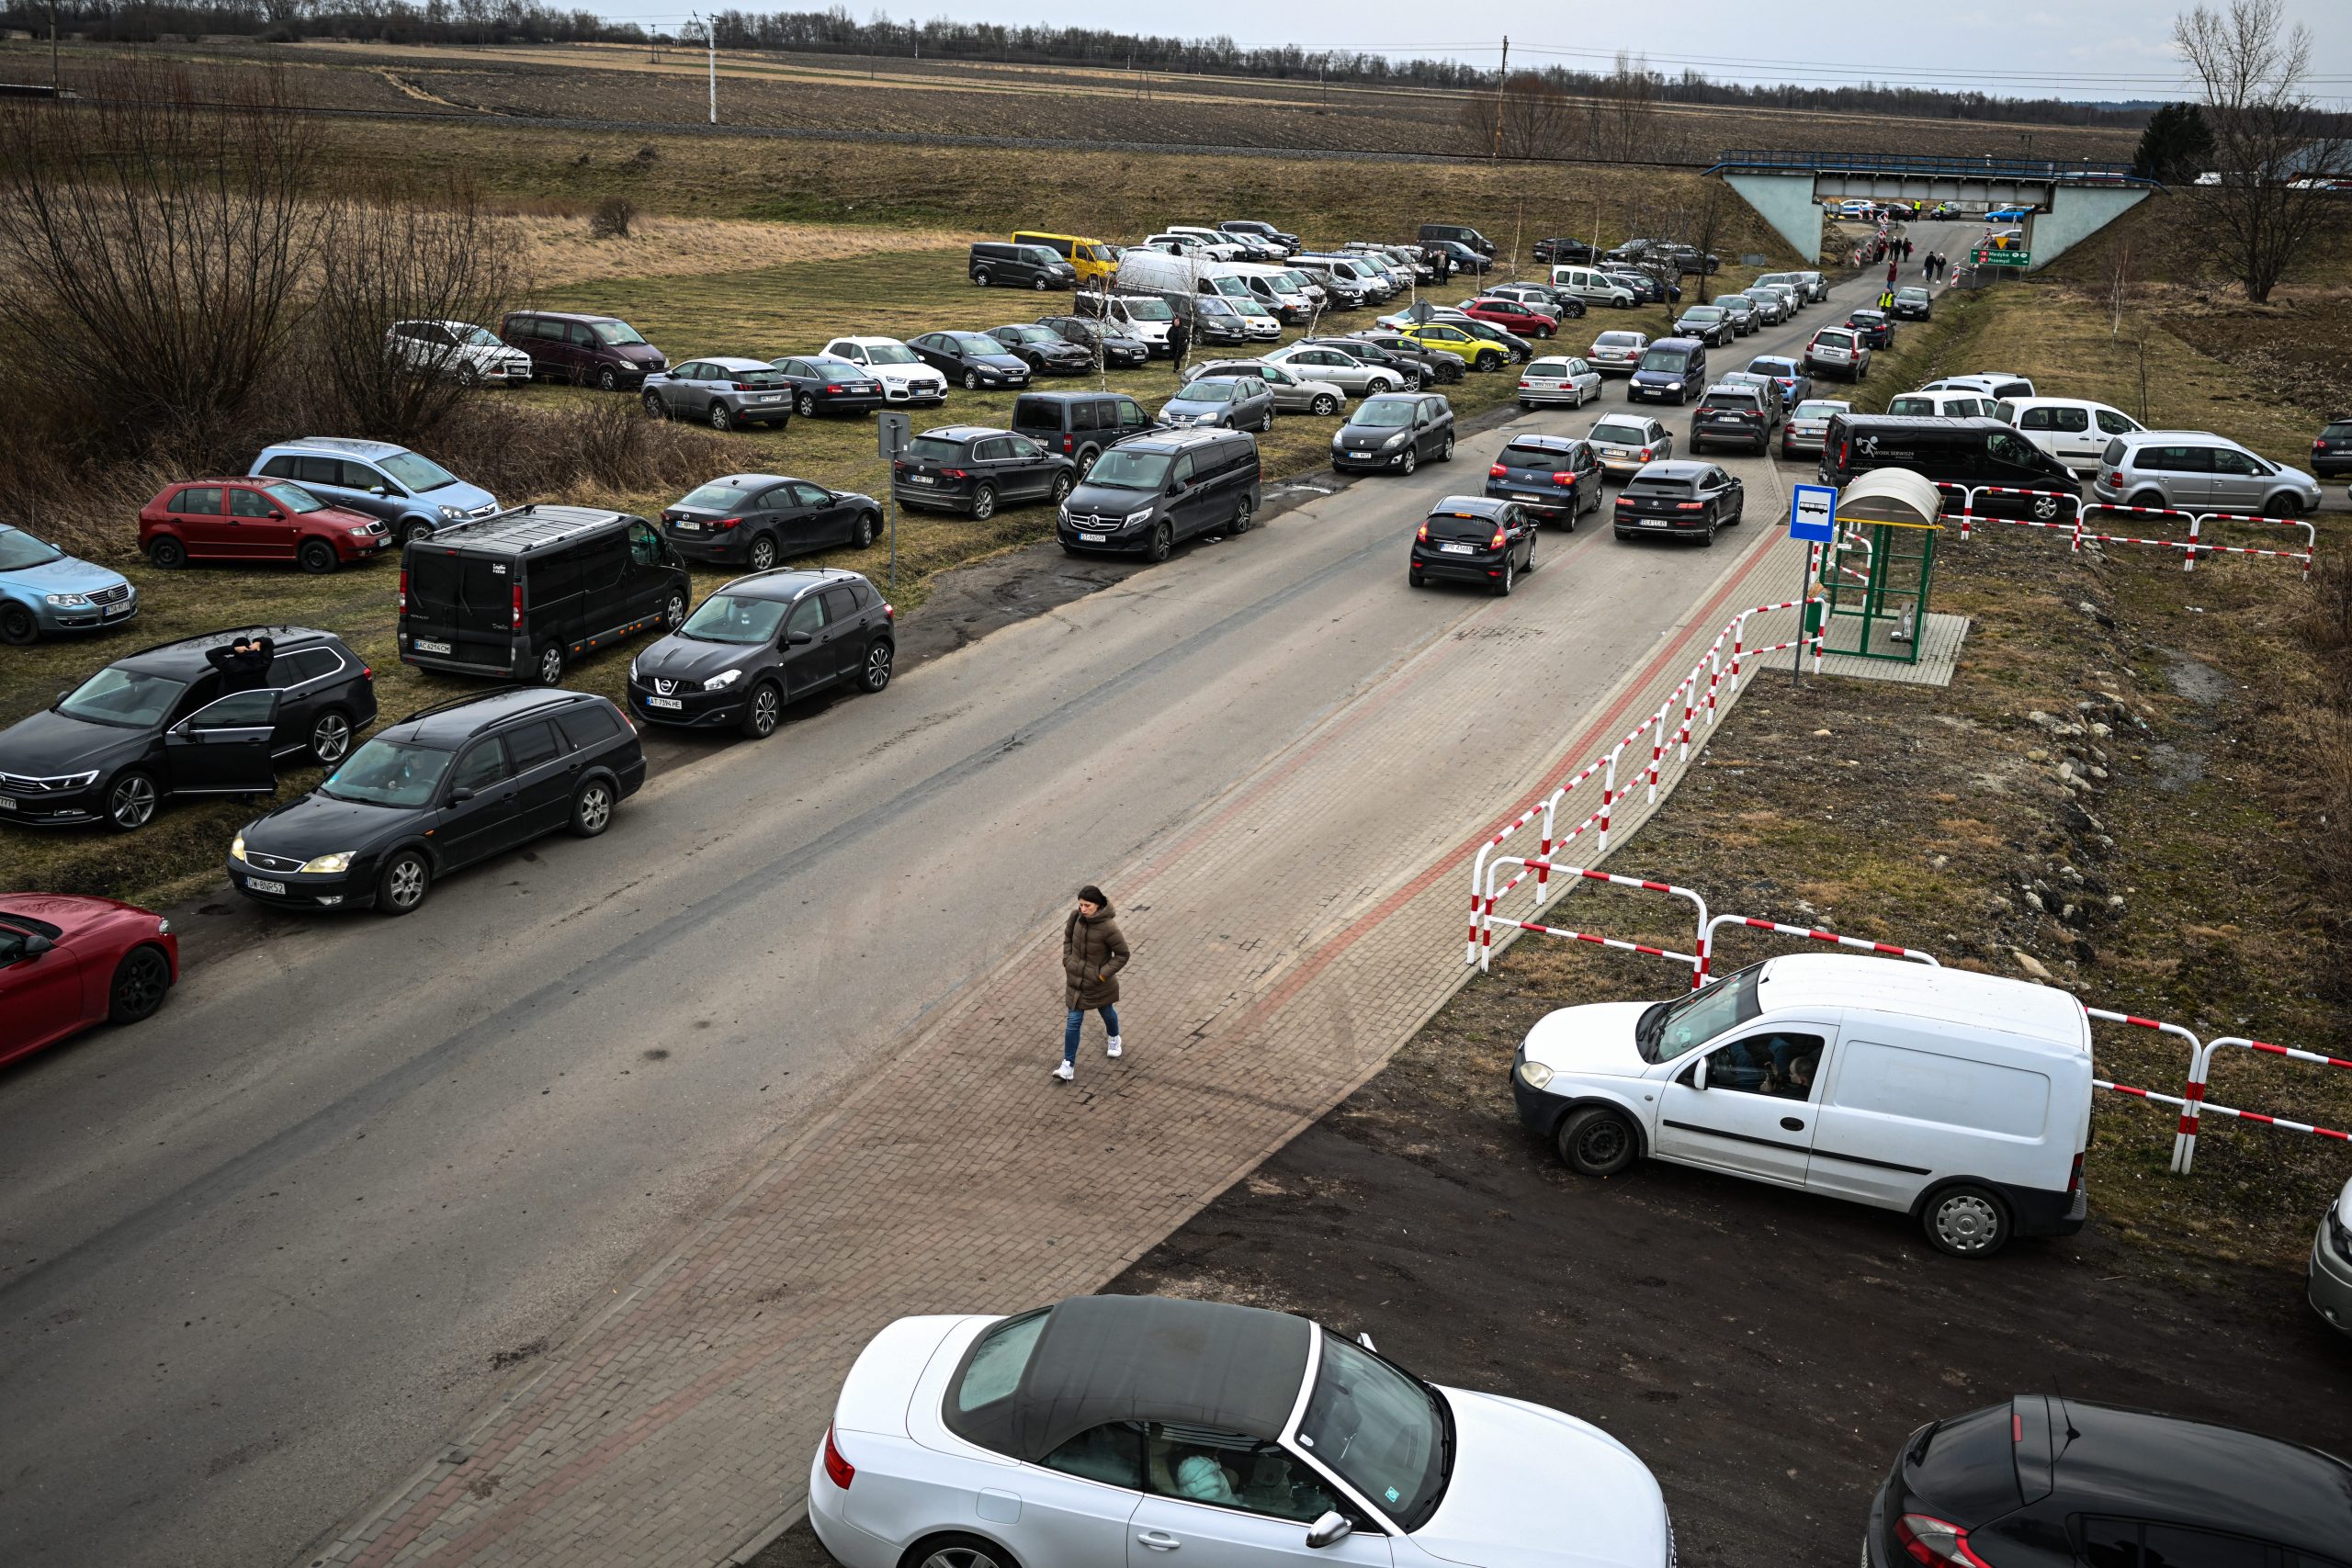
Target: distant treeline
[{"x": 836, "y": 32}]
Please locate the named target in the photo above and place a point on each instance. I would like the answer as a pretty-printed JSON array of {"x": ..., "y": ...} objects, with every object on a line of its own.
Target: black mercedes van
[{"x": 1963, "y": 452}]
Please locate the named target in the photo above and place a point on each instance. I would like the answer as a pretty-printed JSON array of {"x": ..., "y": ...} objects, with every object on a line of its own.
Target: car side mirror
[
  {"x": 379, "y": 490},
  {"x": 460, "y": 795},
  {"x": 35, "y": 945},
  {"x": 1328, "y": 1529},
  {"x": 1697, "y": 1077},
  {"x": 798, "y": 639}
]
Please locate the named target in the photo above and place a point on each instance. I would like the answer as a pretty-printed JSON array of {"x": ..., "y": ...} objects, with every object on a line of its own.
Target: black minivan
[
  {"x": 1022, "y": 266},
  {"x": 1673, "y": 369},
  {"x": 1145, "y": 494},
  {"x": 1965, "y": 452},
  {"x": 1080, "y": 424},
  {"x": 1460, "y": 233},
  {"x": 520, "y": 596}
]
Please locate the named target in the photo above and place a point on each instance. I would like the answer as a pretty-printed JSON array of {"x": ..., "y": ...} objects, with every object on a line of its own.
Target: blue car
[
  {"x": 43, "y": 589},
  {"x": 413, "y": 495},
  {"x": 2008, "y": 215}
]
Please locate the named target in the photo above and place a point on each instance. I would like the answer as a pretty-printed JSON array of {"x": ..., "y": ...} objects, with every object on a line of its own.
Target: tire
[
  {"x": 414, "y": 529},
  {"x": 980, "y": 277},
  {"x": 1509, "y": 581},
  {"x": 1966, "y": 1221},
  {"x": 1413, "y": 577},
  {"x": 762, "y": 713},
  {"x": 880, "y": 658},
  {"x": 401, "y": 886},
  {"x": 330, "y": 740},
  {"x": 862, "y": 537},
  {"x": 1244, "y": 516},
  {"x": 1597, "y": 1141},
  {"x": 166, "y": 554},
  {"x": 673, "y": 609},
  {"x": 17, "y": 626},
  {"x": 2281, "y": 505},
  {"x": 959, "y": 1551},
  {"x": 608, "y": 379},
  {"x": 1707, "y": 539},
  {"x": 132, "y": 799},
  {"x": 971, "y": 380},
  {"x": 2044, "y": 505},
  {"x": 141, "y": 982},
  {"x": 1063, "y": 484},
  {"x": 1377, "y": 384},
  {"x": 1413, "y": 460},
  {"x": 1040, "y": 286},
  {"x": 1445, "y": 453},
  {"x": 722, "y": 418},
  {"x": 1087, "y": 457},
  {"x": 761, "y": 556},
  {"x": 654, "y": 407},
  {"x": 2146, "y": 498},
  {"x": 984, "y": 504},
  {"x": 592, "y": 808},
  {"x": 547, "y": 669},
  {"x": 1163, "y": 544},
  {"x": 805, "y": 405},
  {"x": 1535, "y": 537},
  {"x": 1526, "y": 407},
  {"x": 317, "y": 557}
]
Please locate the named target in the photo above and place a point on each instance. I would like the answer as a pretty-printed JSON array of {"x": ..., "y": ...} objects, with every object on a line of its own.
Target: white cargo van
[
  {"x": 1963, "y": 1099},
  {"x": 1144, "y": 317},
  {"x": 1159, "y": 272},
  {"x": 1592, "y": 287},
  {"x": 2075, "y": 430}
]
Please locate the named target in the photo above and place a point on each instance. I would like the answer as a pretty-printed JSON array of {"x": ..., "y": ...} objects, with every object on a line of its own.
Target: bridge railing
[{"x": 1931, "y": 166}]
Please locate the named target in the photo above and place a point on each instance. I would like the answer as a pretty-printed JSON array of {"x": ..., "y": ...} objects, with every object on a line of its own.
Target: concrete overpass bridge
[{"x": 2069, "y": 199}]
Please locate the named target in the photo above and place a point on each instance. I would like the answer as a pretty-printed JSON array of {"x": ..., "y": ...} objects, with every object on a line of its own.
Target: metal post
[
  {"x": 1805, "y": 614},
  {"x": 710, "y": 38},
  {"x": 894, "y": 530}
]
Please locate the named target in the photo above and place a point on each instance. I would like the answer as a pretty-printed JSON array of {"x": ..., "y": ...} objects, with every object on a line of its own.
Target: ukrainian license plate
[
  {"x": 1459, "y": 549},
  {"x": 1093, "y": 539},
  {"x": 767, "y": 397},
  {"x": 256, "y": 884},
  {"x": 423, "y": 647},
  {"x": 664, "y": 703},
  {"x": 1724, "y": 419},
  {"x": 687, "y": 527},
  {"x": 921, "y": 480}
]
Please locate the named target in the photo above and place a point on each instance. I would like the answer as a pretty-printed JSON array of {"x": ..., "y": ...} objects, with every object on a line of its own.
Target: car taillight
[
  {"x": 737, "y": 387},
  {"x": 889, "y": 611},
  {"x": 838, "y": 1471},
  {"x": 832, "y": 388},
  {"x": 399, "y": 605},
  {"x": 368, "y": 672},
  {"x": 955, "y": 473},
  {"x": 726, "y": 522},
  {"x": 518, "y": 606},
  {"x": 1068, "y": 441},
  {"x": 1423, "y": 533},
  {"x": 1497, "y": 542},
  {"x": 1646, "y": 454},
  {"x": 1688, "y": 505},
  {"x": 1498, "y": 471},
  {"x": 1524, "y": 385},
  {"x": 2074, "y": 1176},
  {"x": 1933, "y": 1541},
  {"x": 1624, "y": 501},
  {"x": 1563, "y": 481}
]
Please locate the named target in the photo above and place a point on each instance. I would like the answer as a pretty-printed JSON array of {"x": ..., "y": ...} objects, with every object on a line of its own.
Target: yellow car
[{"x": 1478, "y": 352}]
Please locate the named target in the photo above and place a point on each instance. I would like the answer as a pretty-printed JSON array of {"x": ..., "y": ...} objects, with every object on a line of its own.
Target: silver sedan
[
  {"x": 1294, "y": 393},
  {"x": 1624, "y": 442}
]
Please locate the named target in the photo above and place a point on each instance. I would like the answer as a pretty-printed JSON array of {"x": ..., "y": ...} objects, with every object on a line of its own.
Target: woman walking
[{"x": 1093, "y": 951}]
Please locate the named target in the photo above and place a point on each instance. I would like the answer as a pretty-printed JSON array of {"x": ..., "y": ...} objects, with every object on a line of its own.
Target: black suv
[
  {"x": 762, "y": 641},
  {"x": 1044, "y": 350},
  {"x": 971, "y": 467},
  {"x": 1120, "y": 351},
  {"x": 522, "y": 594},
  {"x": 440, "y": 790},
  {"x": 757, "y": 520},
  {"x": 1738, "y": 416},
  {"x": 156, "y": 723},
  {"x": 1565, "y": 250},
  {"x": 1555, "y": 478},
  {"x": 1081, "y": 424}
]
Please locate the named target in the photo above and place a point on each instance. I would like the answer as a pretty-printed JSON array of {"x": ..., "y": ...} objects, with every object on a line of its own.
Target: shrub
[{"x": 610, "y": 218}]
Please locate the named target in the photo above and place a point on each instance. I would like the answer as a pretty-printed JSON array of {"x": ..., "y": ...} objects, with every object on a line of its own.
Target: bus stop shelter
[{"x": 1880, "y": 569}]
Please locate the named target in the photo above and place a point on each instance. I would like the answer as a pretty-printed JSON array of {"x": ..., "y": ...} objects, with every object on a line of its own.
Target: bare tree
[
  {"x": 1536, "y": 119},
  {"x": 1622, "y": 113},
  {"x": 2273, "y": 151},
  {"x": 2119, "y": 283}
]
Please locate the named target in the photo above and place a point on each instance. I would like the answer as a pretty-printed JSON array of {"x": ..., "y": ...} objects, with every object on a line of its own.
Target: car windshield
[
  {"x": 1250, "y": 307},
  {"x": 1123, "y": 469},
  {"x": 1626, "y": 434},
  {"x": 1667, "y": 1029},
  {"x": 19, "y": 549},
  {"x": 1813, "y": 408},
  {"x": 889, "y": 353},
  {"x": 768, "y": 377},
  {"x": 1210, "y": 305},
  {"x": 1207, "y": 391},
  {"x": 1910, "y": 294},
  {"x": 419, "y": 474},
  {"x": 728, "y": 617},
  {"x": 480, "y": 338},
  {"x": 975, "y": 343},
  {"x": 1380, "y": 414},
  {"x": 1149, "y": 311},
  {"x": 125, "y": 698},
  {"x": 388, "y": 773},
  {"x": 1383, "y": 1431},
  {"x": 1665, "y": 359},
  {"x": 1733, "y": 301},
  {"x": 1033, "y": 334},
  {"x": 720, "y": 495},
  {"x": 618, "y": 334},
  {"x": 294, "y": 497}
]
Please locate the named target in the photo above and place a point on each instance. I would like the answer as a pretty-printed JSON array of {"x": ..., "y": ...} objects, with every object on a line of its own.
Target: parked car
[
  {"x": 2196, "y": 470},
  {"x": 1144, "y": 317},
  {"x": 1956, "y": 404},
  {"x": 458, "y": 350},
  {"x": 1731, "y": 415},
  {"x": 1341, "y": 364},
  {"x": 1213, "y": 320},
  {"x": 412, "y": 494},
  {"x": 159, "y": 722},
  {"x": 1477, "y": 352},
  {"x": 1797, "y": 283},
  {"x": 1395, "y": 431},
  {"x": 1519, "y": 349},
  {"x": 1809, "y": 424},
  {"x": 1564, "y": 250},
  {"x": 1772, "y": 306},
  {"x": 254, "y": 521},
  {"x": 1260, "y": 324},
  {"x": 1745, "y": 316},
  {"x": 1020, "y": 266},
  {"x": 726, "y": 393},
  {"x": 973, "y": 467},
  {"x": 1476, "y": 540},
  {"x": 45, "y": 590},
  {"x": 1464, "y": 258},
  {"x": 1119, "y": 351},
  {"x": 1876, "y": 327},
  {"x": 1789, "y": 375},
  {"x": 1291, "y": 391},
  {"x": 1839, "y": 350},
  {"x": 1559, "y": 304},
  {"x": 818, "y": 384},
  {"x": 1649, "y": 289},
  {"x": 1914, "y": 304},
  {"x": 2330, "y": 1270},
  {"x": 1436, "y": 367},
  {"x": 1144, "y": 496},
  {"x": 1232, "y": 402},
  {"x": 1455, "y": 233},
  {"x": 1626, "y": 442},
  {"x": 1593, "y": 286},
  {"x": 69, "y": 963},
  {"x": 971, "y": 360},
  {"x": 1088, "y": 259},
  {"x": 1618, "y": 353},
  {"x": 1553, "y": 479},
  {"x": 519, "y": 596},
  {"x": 1559, "y": 380},
  {"x": 762, "y": 642},
  {"x": 905, "y": 377},
  {"x": 1963, "y": 452},
  {"x": 1258, "y": 229},
  {"x": 598, "y": 351},
  {"x": 1994, "y": 384},
  {"x": 2049, "y": 1477},
  {"x": 2073, "y": 430},
  {"x": 2332, "y": 450},
  {"x": 1230, "y": 1434},
  {"x": 1513, "y": 315},
  {"x": 1672, "y": 370},
  {"x": 758, "y": 520},
  {"x": 1679, "y": 498},
  {"x": 1710, "y": 324},
  {"x": 1079, "y": 426},
  {"x": 441, "y": 790}
]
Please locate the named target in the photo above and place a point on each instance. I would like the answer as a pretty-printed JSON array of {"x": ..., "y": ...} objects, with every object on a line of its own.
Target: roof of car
[
  {"x": 1493, "y": 506},
  {"x": 342, "y": 445},
  {"x": 960, "y": 432},
  {"x": 2140, "y": 1464},
  {"x": 732, "y": 364},
  {"x": 451, "y": 724},
  {"x": 1175, "y": 440},
  {"x": 2042, "y": 1014},
  {"x": 524, "y": 529},
  {"x": 1770, "y": 359},
  {"x": 1547, "y": 443},
  {"x": 786, "y": 582},
  {"x": 867, "y": 342},
  {"x": 2135, "y": 437},
  {"x": 1676, "y": 469},
  {"x": 186, "y": 655},
  {"x": 567, "y": 315}
]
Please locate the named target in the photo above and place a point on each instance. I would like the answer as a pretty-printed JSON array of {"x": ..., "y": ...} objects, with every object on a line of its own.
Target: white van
[
  {"x": 1962, "y": 1099},
  {"x": 1948, "y": 402},
  {"x": 1144, "y": 317},
  {"x": 1275, "y": 287},
  {"x": 1592, "y": 287},
  {"x": 2073, "y": 430},
  {"x": 1159, "y": 272}
]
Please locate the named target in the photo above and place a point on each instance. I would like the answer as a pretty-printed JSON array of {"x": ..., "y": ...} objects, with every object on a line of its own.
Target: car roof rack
[{"x": 553, "y": 698}]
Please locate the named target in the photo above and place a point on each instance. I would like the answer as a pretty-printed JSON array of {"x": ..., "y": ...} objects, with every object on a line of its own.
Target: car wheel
[
  {"x": 654, "y": 407},
  {"x": 17, "y": 625},
  {"x": 880, "y": 655},
  {"x": 416, "y": 529},
  {"x": 761, "y": 556},
  {"x": 983, "y": 503},
  {"x": 131, "y": 801},
  {"x": 867, "y": 526},
  {"x": 1040, "y": 286},
  {"x": 1413, "y": 577},
  {"x": 1244, "y": 516},
  {"x": 549, "y": 668},
  {"x": 673, "y": 609},
  {"x": 1530, "y": 564},
  {"x": 1509, "y": 579},
  {"x": 1707, "y": 539},
  {"x": 960, "y": 1552},
  {"x": 722, "y": 418},
  {"x": 317, "y": 557},
  {"x": 2281, "y": 505},
  {"x": 141, "y": 982},
  {"x": 971, "y": 380},
  {"x": 766, "y": 706},
  {"x": 1087, "y": 457},
  {"x": 608, "y": 379},
  {"x": 1413, "y": 460},
  {"x": 1597, "y": 1141},
  {"x": 1163, "y": 543},
  {"x": 1445, "y": 453},
  {"x": 981, "y": 277},
  {"x": 407, "y": 877},
  {"x": 1966, "y": 1221},
  {"x": 805, "y": 406},
  {"x": 592, "y": 808},
  {"x": 166, "y": 554},
  {"x": 1060, "y": 492},
  {"x": 1324, "y": 406},
  {"x": 1378, "y": 384},
  {"x": 2045, "y": 506},
  {"x": 1526, "y": 407},
  {"x": 330, "y": 737}
]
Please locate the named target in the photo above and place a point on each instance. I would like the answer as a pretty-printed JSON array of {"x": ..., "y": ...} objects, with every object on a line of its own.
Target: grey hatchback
[
  {"x": 1394, "y": 431},
  {"x": 1232, "y": 402},
  {"x": 723, "y": 392}
]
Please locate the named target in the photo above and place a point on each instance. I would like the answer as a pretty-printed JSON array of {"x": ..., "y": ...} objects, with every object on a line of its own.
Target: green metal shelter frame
[{"x": 1880, "y": 569}]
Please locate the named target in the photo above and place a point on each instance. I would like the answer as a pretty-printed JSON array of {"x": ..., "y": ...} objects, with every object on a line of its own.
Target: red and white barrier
[
  {"x": 2200, "y": 1071},
  {"x": 1486, "y": 923},
  {"x": 2078, "y": 524},
  {"x": 2280, "y": 1121},
  {"x": 2184, "y": 1143},
  {"x": 1811, "y": 933}
]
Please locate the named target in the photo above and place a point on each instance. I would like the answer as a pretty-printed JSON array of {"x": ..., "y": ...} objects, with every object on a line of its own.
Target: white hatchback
[
  {"x": 1118, "y": 1431},
  {"x": 1559, "y": 380}
]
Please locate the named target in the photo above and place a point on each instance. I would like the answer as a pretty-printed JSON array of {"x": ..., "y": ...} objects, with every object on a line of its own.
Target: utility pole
[
  {"x": 55, "y": 82},
  {"x": 710, "y": 38},
  {"x": 1502, "y": 74}
]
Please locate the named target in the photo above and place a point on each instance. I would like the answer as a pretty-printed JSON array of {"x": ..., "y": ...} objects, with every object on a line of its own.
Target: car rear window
[
  {"x": 1037, "y": 413},
  {"x": 588, "y": 723},
  {"x": 932, "y": 449},
  {"x": 1620, "y": 434},
  {"x": 1911, "y": 407},
  {"x": 443, "y": 584},
  {"x": 1676, "y": 487},
  {"x": 1618, "y": 340},
  {"x": 1461, "y": 527},
  {"x": 1548, "y": 367},
  {"x": 1745, "y": 402},
  {"x": 1542, "y": 459},
  {"x": 2339, "y": 430},
  {"x": 1816, "y": 409}
]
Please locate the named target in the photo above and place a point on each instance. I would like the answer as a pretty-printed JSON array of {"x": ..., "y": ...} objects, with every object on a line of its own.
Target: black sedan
[
  {"x": 971, "y": 360},
  {"x": 1044, "y": 350},
  {"x": 1564, "y": 250},
  {"x": 1473, "y": 539},
  {"x": 1395, "y": 431},
  {"x": 1681, "y": 499},
  {"x": 830, "y": 386},
  {"x": 438, "y": 791},
  {"x": 1877, "y": 328},
  {"x": 973, "y": 468},
  {"x": 1119, "y": 351},
  {"x": 757, "y": 520}
]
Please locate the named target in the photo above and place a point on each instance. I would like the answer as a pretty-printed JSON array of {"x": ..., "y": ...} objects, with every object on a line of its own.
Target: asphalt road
[{"x": 258, "y": 1257}]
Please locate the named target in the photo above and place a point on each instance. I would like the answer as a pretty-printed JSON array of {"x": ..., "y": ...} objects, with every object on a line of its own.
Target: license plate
[
  {"x": 1359, "y": 455},
  {"x": 687, "y": 527},
  {"x": 767, "y": 397},
  {"x": 423, "y": 647},
  {"x": 258, "y": 885},
  {"x": 921, "y": 480},
  {"x": 1724, "y": 419},
  {"x": 1095, "y": 538},
  {"x": 664, "y": 703},
  {"x": 7, "y": 803},
  {"x": 1656, "y": 523},
  {"x": 1459, "y": 549},
  {"x": 115, "y": 612}
]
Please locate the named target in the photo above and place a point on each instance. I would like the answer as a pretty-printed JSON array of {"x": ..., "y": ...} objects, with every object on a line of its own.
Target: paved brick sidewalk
[{"x": 1286, "y": 942}]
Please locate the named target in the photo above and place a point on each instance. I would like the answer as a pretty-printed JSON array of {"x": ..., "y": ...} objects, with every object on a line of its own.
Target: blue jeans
[{"x": 1069, "y": 1036}]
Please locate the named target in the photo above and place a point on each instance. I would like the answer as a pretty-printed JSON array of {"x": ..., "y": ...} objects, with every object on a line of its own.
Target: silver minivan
[{"x": 2195, "y": 470}]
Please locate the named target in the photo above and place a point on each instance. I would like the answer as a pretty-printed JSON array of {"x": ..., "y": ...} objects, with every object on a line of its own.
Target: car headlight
[
  {"x": 452, "y": 514},
  {"x": 1132, "y": 518},
  {"x": 723, "y": 680},
  {"x": 237, "y": 847},
  {"x": 632, "y": 671},
  {"x": 68, "y": 601},
  {"x": 2338, "y": 1233},
  {"x": 340, "y": 861},
  {"x": 1395, "y": 440},
  {"x": 1534, "y": 1074},
  {"x": 1674, "y": 386},
  {"x": 360, "y": 533}
]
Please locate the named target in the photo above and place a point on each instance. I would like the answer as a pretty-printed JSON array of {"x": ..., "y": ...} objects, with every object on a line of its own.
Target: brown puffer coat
[{"x": 1093, "y": 951}]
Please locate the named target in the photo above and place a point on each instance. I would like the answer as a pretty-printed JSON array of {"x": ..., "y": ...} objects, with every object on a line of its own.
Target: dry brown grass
[{"x": 556, "y": 250}]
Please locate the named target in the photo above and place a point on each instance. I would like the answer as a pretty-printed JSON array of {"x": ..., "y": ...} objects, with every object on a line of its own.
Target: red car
[
  {"x": 67, "y": 963},
  {"x": 254, "y": 519},
  {"x": 1512, "y": 317}
]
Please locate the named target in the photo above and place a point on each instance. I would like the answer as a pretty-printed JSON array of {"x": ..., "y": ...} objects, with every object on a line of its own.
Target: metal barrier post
[{"x": 2183, "y": 1143}]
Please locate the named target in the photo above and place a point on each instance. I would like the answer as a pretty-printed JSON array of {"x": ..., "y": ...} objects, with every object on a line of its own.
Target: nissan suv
[{"x": 761, "y": 642}]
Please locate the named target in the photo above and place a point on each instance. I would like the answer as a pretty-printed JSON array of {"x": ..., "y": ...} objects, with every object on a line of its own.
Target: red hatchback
[
  {"x": 67, "y": 963},
  {"x": 255, "y": 520},
  {"x": 1512, "y": 317}
]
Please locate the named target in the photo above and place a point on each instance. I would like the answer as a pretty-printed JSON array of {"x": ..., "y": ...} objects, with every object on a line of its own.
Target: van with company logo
[
  {"x": 1960, "y": 453},
  {"x": 1961, "y": 1100},
  {"x": 1593, "y": 286},
  {"x": 1090, "y": 259}
]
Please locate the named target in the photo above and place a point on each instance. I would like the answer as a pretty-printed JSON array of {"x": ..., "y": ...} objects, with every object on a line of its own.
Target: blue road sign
[{"x": 1813, "y": 510}]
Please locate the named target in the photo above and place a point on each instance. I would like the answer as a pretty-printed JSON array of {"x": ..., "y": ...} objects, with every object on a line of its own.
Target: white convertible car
[{"x": 1147, "y": 1432}]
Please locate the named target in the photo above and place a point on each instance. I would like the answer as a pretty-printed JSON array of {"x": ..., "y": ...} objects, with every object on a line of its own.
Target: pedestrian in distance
[
  {"x": 1180, "y": 338},
  {"x": 1093, "y": 951},
  {"x": 244, "y": 664},
  {"x": 1890, "y": 271},
  {"x": 1886, "y": 299}
]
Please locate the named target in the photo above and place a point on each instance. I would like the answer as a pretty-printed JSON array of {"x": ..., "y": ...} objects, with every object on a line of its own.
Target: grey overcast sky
[{"x": 2082, "y": 49}]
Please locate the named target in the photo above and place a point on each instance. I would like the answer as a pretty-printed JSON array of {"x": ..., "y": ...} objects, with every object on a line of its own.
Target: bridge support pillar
[
  {"x": 2077, "y": 212},
  {"x": 1787, "y": 203}
]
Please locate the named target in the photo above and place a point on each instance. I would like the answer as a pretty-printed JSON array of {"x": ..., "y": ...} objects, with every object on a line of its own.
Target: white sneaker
[
  {"x": 1115, "y": 1045},
  {"x": 1064, "y": 1071}
]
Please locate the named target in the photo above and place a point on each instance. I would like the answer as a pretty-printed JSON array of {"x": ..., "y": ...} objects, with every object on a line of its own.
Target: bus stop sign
[{"x": 1812, "y": 512}]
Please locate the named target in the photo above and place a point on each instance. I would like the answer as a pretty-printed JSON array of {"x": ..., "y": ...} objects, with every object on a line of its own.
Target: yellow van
[{"x": 1089, "y": 258}]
